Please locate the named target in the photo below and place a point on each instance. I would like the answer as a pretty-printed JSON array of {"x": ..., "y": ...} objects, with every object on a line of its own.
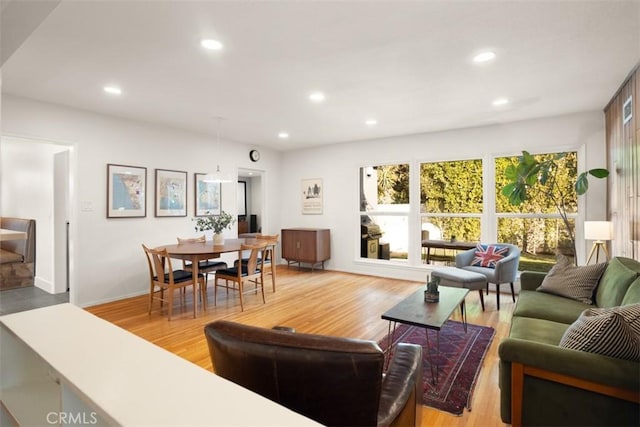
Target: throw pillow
[
  {"x": 488, "y": 255},
  {"x": 612, "y": 332},
  {"x": 630, "y": 314},
  {"x": 570, "y": 281}
]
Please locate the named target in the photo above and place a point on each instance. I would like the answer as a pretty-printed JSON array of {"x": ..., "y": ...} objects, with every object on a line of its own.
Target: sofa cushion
[
  {"x": 570, "y": 281},
  {"x": 488, "y": 255},
  {"x": 613, "y": 332},
  {"x": 614, "y": 283},
  {"x": 537, "y": 330},
  {"x": 541, "y": 305},
  {"x": 633, "y": 293}
]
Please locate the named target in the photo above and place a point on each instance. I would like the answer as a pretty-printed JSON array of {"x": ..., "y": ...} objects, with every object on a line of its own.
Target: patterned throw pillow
[
  {"x": 488, "y": 255},
  {"x": 570, "y": 281},
  {"x": 613, "y": 332}
]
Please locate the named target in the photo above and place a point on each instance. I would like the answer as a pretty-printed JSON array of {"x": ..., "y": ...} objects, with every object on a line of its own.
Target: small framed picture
[
  {"x": 126, "y": 191},
  {"x": 207, "y": 195},
  {"x": 627, "y": 110},
  {"x": 171, "y": 193},
  {"x": 312, "y": 195}
]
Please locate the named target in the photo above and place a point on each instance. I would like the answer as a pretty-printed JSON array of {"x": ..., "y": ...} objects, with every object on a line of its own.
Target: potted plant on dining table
[{"x": 216, "y": 223}]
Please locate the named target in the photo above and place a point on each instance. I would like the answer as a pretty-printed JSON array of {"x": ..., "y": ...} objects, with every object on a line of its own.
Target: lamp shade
[
  {"x": 598, "y": 230},
  {"x": 217, "y": 176}
]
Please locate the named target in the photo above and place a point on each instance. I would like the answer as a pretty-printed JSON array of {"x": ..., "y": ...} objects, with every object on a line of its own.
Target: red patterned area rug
[{"x": 461, "y": 355}]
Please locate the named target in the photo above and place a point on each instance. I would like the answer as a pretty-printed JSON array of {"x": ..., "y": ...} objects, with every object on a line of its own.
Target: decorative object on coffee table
[{"x": 431, "y": 294}]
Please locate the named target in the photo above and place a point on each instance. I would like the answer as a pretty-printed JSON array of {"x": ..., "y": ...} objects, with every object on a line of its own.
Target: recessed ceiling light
[
  {"x": 500, "y": 101},
  {"x": 283, "y": 135},
  {"x": 484, "y": 57},
  {"x": 113, "y": 90},
  {"x": 211, "y": 44},
  {"x": 371, "y": 122},
  {"x": 317, "y": 97}
]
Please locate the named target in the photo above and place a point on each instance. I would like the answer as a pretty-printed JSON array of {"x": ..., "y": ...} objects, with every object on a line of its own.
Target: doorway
[
  {"x": 36, "y": 184},
  {"x": 250, "y": 201}
]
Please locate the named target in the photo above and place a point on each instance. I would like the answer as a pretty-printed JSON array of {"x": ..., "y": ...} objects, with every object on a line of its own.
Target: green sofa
[{"x": 542, "y": 384}]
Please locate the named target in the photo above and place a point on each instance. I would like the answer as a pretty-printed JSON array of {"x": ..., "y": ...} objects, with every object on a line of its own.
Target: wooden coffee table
[{"x": 414, "y": 311}]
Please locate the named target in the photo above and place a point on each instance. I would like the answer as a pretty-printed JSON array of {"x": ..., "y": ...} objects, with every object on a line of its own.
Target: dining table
[
  {"x": 200, "y": 251},
  {"x": 446, "y": 244}
]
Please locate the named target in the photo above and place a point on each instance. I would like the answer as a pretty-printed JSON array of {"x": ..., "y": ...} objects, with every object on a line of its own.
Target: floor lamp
[{"x": 599, "y": 232}]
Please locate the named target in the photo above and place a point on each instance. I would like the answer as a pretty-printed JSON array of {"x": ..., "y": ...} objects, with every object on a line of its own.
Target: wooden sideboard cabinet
[{"x": 308, "y": 245}]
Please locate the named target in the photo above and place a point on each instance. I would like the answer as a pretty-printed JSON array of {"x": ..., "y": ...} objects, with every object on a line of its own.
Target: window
[
  {"x": 384, "y": 211},
  {"x": 451, "y": 202},
  {"x": 536, "y": 226},
  {"x": 460, "y": 200}
]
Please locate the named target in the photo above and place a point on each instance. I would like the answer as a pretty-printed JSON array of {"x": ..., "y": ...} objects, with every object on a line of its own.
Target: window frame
[
  {"x": 488, "y": 218},
  {"x": 385, "y": 212}
]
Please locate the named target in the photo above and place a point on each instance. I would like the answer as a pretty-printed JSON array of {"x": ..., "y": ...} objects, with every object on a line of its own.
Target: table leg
[
  {"x": 390, "y": 335},
  {"x": 195, "y": 261},
  {"x": 433, "y": 366},
  {"x": 463, "y": 313}
]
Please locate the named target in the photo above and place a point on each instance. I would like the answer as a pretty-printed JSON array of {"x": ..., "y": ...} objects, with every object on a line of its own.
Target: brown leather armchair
[{"x": 335, "y": 381}]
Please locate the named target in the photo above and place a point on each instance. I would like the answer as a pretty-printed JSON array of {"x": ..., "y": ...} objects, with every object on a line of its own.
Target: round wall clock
[{"x": 254, "y": 155}]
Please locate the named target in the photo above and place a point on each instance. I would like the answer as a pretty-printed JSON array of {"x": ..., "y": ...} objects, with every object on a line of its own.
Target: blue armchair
[{"x": 505, "y": 270}]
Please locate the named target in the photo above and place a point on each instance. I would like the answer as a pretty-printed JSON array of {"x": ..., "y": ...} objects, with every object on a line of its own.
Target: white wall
[
  {"x": 107, "y": 261},
  {"x": 338, "y": 166},
  {"x": 255, "y": 201},
  {"x": 106, "y": 254}
]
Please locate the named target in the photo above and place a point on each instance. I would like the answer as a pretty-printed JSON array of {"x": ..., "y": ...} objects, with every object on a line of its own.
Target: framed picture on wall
[
  {"x": 171, "y": 193},
  {"x": 126, "y": 191},
  {"x": 207, "y": 195},
  {"x": 312, "y": 195}
]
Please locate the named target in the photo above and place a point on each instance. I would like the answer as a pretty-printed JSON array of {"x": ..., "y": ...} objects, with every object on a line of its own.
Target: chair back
[
  {"x": 509, "y": 272},
  {"x": 199, "y": 239},
  {"x": 159, "y": 262},
  {"x": 252, "y": 263},
  {"x": 271, "y": 238},
  {"x": 335, "y": 381},
  {"x": 272, "y": 242}
]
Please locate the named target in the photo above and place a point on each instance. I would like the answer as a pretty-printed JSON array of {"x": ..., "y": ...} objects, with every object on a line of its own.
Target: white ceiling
[{"x": 405, "y": 63}]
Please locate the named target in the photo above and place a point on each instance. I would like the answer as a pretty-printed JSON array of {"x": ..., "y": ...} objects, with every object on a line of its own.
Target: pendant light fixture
[{"x": 218, "y": 175}]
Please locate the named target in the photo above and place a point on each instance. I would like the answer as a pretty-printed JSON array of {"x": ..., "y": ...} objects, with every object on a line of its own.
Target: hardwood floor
[{"x": 322, "y": 302}]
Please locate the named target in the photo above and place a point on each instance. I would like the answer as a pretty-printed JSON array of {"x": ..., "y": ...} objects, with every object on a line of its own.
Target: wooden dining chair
[
  {"x": 206, "y": 266},
  {"x": 241, "y": 273},
  {"x": 163, "y": 277},
  {"x": 268, "y": 255}
]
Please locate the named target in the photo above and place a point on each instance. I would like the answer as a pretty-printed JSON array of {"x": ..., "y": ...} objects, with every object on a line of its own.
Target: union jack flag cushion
[{"x": 488, "y": 255}]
